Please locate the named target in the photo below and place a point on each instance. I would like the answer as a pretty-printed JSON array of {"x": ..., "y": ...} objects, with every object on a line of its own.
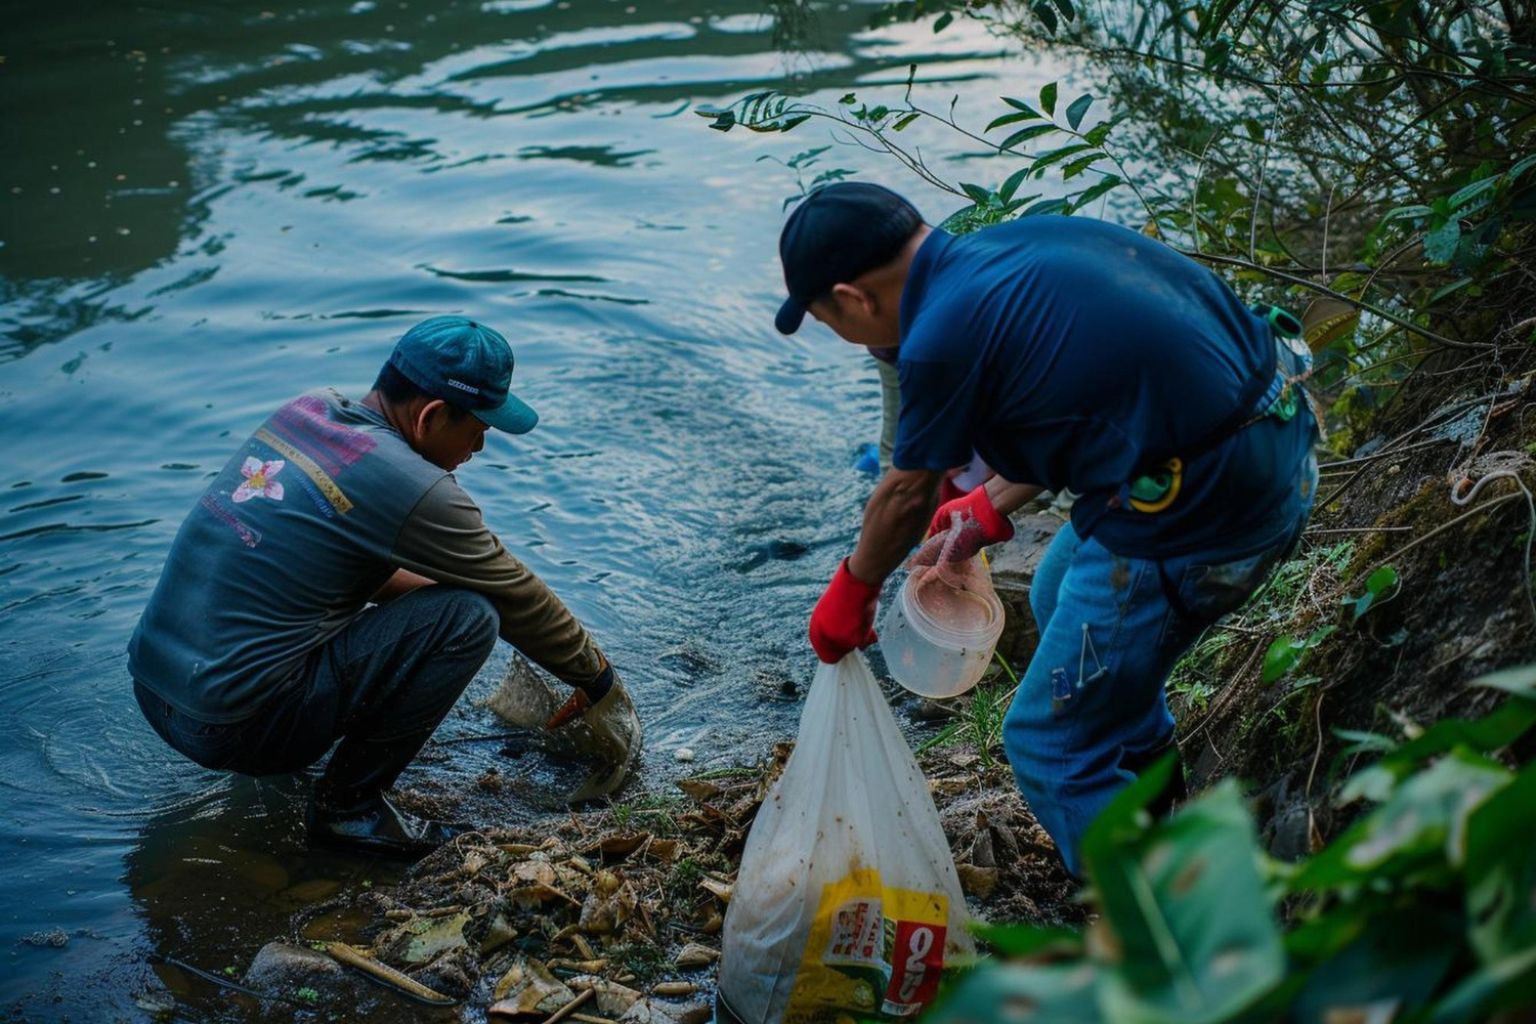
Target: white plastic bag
[{"x": 847, "y": 900}]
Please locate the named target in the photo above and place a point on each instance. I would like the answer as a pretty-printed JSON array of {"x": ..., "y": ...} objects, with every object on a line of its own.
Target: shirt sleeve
[
  {"x": 937, "y": 412},
  {"x": 445, "y": 539}
]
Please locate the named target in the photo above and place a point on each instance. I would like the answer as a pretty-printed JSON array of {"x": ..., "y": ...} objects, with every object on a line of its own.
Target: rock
[
  {"x": 978, "y": 882},
  {"x": 1013, "y": 570},
  {"x": 53, "y": 938},
  {"x": 684, "y": 754},
  {"x": 282, "y": 969}
]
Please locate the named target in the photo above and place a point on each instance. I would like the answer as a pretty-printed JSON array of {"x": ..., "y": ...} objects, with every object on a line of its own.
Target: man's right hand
[
  {"x": 976, "y": 507},
  {"x": 844, "y": 618}
]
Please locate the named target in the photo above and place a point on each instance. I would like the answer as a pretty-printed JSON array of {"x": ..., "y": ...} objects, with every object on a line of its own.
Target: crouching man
[{"x": 334, "y": 582}]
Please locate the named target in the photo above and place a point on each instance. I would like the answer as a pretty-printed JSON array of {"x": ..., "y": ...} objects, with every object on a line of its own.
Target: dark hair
[{"x": 397, "y": 388}]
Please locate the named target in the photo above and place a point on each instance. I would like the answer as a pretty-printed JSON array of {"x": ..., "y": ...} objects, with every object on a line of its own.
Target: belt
[{"x": 1273, "y": 390}]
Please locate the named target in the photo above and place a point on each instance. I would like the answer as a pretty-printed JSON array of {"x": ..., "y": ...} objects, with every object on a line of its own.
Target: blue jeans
[
  {"x": 380, "y": 686},
  {"x": 1092, "y": 701}
]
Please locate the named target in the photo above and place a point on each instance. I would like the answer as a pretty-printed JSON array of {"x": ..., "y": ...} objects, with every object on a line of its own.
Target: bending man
[
  {"x": 259, "y": 650},
  {"x": 1068, "y": 353}
]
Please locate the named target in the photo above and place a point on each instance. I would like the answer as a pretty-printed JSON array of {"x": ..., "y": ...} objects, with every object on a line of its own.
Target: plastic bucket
[{"x": 938, "y": 638}]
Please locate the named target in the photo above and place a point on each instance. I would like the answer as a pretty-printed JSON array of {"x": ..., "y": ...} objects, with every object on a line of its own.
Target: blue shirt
[{"x": 1070, "y": 353}]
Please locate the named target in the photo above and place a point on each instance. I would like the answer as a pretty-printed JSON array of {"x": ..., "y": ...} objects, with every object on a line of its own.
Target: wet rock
[
  {"x": 280, "y": 969},
  {"x": 53, "y": 938}
]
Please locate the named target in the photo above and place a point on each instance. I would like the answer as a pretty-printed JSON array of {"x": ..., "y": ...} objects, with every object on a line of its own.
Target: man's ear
[
  {"x": 430, "y": 416},
  {"x": 852, "y": 297}
]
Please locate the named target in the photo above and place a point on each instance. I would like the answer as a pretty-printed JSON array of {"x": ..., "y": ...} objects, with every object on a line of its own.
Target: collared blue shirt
[{"x": 1069, "y": 352}]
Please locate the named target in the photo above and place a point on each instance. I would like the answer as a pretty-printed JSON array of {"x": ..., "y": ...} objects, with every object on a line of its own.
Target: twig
[
  {"x": 1407, "y": 325},
  {"x": 1400, "y": 552},
  {"x": 1358, "y": 529},
  {"x": 1317, "y": 755},
  {"x": 571, "y": 1007}
]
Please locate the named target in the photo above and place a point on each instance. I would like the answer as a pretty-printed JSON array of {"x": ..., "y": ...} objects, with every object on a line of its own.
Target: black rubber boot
[{"x": 379, "y": 828}]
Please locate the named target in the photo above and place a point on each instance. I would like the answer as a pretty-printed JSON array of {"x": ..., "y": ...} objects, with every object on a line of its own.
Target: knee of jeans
[{"x": 474, "y": 619}]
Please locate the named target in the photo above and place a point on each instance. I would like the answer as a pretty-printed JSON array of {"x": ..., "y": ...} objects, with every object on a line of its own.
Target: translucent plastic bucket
[{"x": 941, "y": 629}]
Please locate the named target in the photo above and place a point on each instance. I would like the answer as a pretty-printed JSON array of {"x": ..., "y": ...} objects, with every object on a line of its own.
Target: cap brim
[
  {"x": 791, "y": 315},
  {"x": 515, "y": 416}
]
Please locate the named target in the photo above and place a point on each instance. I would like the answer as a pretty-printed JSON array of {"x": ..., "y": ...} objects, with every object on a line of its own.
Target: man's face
[{"x": 447, "y": 438}]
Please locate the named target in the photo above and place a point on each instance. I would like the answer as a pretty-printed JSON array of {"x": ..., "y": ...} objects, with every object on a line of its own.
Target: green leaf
[
  {"x": 1046, "y": 15},
  {"x": 1052, "y": 992},
  {"x": 1099, "y": 132},
  {"x": 1020, "y": 940},
  {"x": 1010, "y": 186},
  {"x": 1440, "y": 242},
  {"x": 979, "y": 195},
  {"x": 943, "y": 22},
  {"x": 1195, "y": 936},
  {"x": 1021, "y": 106},
  {"x": 1448, "y": 290},
  {"x": 1077, "y": 109},
  {"x": 1509, "y": 984},
  {"x": 904, "y": 121},
  {"x": 1048, "y": 206},
  {"x": 1044, "y": 160},
  {"x": 1281, "y": 657},
  {"x": 1396, "y": 959},
  {"x": 1423, "y": 820},
  {"x": 1383, "y": 581},
  {"x": 1014, "y": 118},
  {"x": 1025, "y": 134},
  {"x": 1048, "y": 98},
  {"x": 1501, "y": 871},
  {"x": 1519, "y": 681},
  {"x": 1080, "y": 165},
  {"x": 1093, "y": 192}
]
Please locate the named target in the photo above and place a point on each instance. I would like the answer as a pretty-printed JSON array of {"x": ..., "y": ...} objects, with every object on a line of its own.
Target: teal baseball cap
[{"x": 467, "y": 365}]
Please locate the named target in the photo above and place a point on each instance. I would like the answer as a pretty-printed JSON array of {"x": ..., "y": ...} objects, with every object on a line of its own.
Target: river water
[{"x": 208, "y": 208}]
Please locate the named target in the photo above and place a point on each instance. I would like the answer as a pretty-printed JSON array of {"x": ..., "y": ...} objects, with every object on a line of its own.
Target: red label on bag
[{"x": 917, "y": 958}]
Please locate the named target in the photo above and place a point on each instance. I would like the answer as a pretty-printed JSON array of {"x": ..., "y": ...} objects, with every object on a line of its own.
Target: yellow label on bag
[{"x": 872, "y": 950}]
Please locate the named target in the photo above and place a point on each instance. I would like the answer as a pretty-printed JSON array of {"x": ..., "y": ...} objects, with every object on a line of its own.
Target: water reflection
[{"x": 301, "y": 185}]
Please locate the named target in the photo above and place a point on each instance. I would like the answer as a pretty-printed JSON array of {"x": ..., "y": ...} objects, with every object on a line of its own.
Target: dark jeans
[{"x": 381, "y": 686}]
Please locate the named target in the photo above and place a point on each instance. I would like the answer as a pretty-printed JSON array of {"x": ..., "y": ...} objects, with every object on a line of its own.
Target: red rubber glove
[
  {"x": 980, "y": 525},
  {"x": 844, "y": 617}
]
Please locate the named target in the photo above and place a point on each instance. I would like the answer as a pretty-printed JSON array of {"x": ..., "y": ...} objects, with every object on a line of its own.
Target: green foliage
[{"x": 1423, "y": 910}]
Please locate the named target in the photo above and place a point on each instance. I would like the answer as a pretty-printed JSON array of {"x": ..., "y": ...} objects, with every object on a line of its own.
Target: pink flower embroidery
[{"x": 258, "y": 480}]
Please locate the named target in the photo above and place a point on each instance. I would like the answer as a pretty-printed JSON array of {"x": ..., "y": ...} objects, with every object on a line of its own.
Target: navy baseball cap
[
  {"x": 467, "y": 365},
  {"x": 838, "y": 232}
]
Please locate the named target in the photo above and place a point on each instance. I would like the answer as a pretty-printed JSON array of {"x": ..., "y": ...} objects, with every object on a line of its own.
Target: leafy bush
[{"x": 1423, "y": 911}]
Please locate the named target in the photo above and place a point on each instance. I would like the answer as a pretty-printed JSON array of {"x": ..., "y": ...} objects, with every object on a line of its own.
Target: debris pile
[
  {"x": 594, "y": 913},
  {"x": 615, "y": 915}
]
